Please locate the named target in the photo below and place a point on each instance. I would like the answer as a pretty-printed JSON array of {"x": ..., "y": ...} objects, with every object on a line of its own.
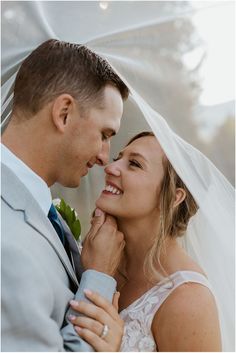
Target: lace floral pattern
[
  {"x": 138, "y": 319},
  {"x": 139, "y": 315}
]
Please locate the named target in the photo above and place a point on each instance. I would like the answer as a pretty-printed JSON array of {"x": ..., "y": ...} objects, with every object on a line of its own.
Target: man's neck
[{"x": 27, "y": 146}]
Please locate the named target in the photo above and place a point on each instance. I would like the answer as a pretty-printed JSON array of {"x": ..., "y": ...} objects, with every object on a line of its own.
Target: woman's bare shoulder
[
  {"x": 186, "y": 296},
  {"x": 188, "y": 320}
]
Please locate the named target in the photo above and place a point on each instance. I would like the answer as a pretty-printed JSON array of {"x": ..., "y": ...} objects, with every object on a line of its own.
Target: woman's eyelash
[
  {"x": 132, "y": 162},
  {"x": 135, "y": 163}
]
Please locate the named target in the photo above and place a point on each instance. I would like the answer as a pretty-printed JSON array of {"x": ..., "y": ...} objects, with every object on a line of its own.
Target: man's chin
[
  {"x": 75, "y": 185},
  {"x": 71, "y": 184}
]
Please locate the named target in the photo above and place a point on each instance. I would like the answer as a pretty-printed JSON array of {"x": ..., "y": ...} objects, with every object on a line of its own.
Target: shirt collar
[{"x": 33, "y": 182}]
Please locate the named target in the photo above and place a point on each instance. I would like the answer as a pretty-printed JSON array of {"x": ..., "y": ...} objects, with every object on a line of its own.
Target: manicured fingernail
[
  {"x": 73, "y": 303},
  {"x": 98, "y": 212},
  {"x": 71, "y": 317},
  {"x": 78, "y": 329},
  {"x": 88, "y": 291}
]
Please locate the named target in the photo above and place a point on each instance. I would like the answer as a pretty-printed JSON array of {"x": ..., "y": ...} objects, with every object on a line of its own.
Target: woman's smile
[{"x": 112, "y": 189}]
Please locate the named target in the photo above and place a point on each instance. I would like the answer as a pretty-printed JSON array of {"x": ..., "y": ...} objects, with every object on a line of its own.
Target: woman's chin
[
  {"x": 100, "y": 203},
  {"x": 104, "y": 206}
]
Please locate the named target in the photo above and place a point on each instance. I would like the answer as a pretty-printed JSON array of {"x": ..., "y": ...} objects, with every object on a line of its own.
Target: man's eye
[
  {"x": 115, "y": 159},
  {"x": 134, "y": 163},
  {"x": 104, "y": 137}
]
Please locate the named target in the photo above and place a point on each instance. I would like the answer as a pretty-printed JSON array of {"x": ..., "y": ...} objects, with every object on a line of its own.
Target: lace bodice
[{"x": 138, "y": 316}]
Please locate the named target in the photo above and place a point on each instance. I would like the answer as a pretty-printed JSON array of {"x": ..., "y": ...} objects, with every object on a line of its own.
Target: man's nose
[{"x": 103, "y": 156}]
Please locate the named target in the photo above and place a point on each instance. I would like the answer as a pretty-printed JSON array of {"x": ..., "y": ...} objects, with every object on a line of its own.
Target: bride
[{"x": 166, "y": 301}]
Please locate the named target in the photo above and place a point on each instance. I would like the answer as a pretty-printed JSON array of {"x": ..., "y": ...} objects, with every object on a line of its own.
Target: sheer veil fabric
[{"x": 131, "y": 36}]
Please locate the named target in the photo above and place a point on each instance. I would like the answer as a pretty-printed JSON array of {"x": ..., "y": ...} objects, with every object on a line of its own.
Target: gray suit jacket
[{"x": 38, "y": 280}]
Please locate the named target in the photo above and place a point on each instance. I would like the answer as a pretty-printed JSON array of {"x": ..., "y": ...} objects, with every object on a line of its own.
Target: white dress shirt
[{"x": 33, "y": 182}]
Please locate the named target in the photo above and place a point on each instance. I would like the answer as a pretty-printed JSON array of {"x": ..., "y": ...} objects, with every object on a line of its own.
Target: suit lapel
[{"x": 19, "y": 198}]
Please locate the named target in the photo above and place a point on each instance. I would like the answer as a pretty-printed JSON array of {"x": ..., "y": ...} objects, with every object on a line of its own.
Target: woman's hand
[{"x": 99, "y": 315}]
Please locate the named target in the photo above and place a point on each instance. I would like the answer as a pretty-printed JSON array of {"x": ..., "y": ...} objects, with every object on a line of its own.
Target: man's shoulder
[
  {"x": 14, "y": 227},
  {"x": 15, "y": 197},
  {"x": 13, "y": 190}
]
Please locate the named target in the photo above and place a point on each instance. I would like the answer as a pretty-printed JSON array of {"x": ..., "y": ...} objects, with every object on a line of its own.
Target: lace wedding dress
[{"x": 138, "y": 316}]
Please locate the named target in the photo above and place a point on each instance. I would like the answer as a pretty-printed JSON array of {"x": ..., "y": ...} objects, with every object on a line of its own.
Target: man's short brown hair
[{"x": 56, "y": 67}]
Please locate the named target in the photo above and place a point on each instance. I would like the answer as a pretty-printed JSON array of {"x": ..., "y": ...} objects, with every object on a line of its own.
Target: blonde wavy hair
[{"x": 173, "y": 220}]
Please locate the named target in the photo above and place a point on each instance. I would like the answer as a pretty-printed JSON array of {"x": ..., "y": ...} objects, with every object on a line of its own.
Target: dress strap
[
  {"x": 181, "y": 277},
  {"x": 176, "y": 279}
]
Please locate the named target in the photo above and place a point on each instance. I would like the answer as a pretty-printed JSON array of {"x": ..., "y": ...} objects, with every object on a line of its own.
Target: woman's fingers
[
  {"x": 87, "y": 323},
  {"x": 99, "y": 344},
  {"x": 90, "y": 310},
  {"x": 102, "y": 311},
  {"x": 103, "y": 303},
  {"x": 115, "y": 301},
  {"x": 97, "y": 316}
]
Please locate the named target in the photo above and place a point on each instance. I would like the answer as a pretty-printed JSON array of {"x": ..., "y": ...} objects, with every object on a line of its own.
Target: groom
[{"x": 67, "y": 105}]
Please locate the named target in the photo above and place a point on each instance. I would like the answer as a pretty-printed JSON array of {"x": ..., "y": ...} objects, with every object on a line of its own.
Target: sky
[{"x": 215, "y": 22}]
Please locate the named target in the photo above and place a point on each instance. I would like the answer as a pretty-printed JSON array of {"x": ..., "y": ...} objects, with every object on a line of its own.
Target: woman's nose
[{"x": 113, "y": 169}]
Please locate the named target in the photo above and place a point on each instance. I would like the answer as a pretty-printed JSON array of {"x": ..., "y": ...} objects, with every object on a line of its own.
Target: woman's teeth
[{"x": 112, "y": 189}]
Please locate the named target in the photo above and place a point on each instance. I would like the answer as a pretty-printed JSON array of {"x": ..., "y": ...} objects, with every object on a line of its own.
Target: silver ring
[{"x": 105, "y": 331}]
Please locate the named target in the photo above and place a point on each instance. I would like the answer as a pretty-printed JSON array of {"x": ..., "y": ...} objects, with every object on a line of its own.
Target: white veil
[{"x": 139, "y": 40}]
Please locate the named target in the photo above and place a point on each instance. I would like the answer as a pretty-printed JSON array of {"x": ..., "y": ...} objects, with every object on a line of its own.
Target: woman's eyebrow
[{"x": 134, "y": 154}]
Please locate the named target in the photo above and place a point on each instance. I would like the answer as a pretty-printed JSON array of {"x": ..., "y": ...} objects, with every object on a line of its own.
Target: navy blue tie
[{"x": 54, "y": 219}]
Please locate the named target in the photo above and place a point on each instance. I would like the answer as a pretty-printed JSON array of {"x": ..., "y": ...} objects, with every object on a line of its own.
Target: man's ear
[
  {"x": 61, "y": 109},
  {"x": 179, "y": 196}
]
